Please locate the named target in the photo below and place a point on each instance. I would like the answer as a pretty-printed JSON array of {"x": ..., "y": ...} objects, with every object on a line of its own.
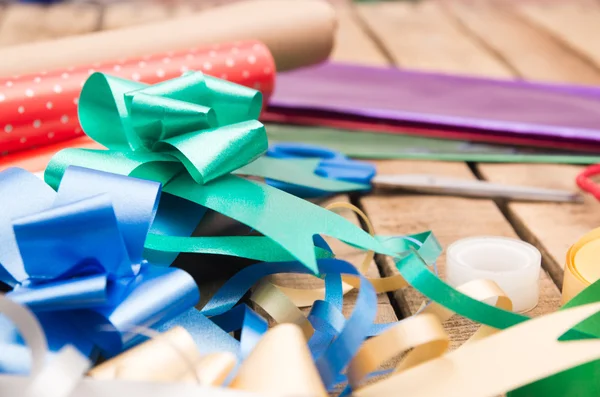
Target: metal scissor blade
[{"x": 472, "y": 188}]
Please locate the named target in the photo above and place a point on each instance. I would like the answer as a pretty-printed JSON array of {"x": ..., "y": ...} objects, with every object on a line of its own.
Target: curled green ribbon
[
  {"x": 191, "y": 133},
  {"x": 257, "y": 248}
]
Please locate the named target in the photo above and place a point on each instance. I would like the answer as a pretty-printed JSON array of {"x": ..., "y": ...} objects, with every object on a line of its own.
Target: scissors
[{"x": 335, "y": 165}]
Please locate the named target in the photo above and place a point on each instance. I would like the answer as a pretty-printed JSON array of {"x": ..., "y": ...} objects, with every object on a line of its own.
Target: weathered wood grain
[
  {"x": 532, "y": 53},
  {"x": 352, "y": 44},
  {"x": 420, "y": 36},
  {"x": 137, "y": 12},
  {"x": 573, "y": 24},
  {"x": 551, "y": 227},
  {"x": 450, "y": 218}
]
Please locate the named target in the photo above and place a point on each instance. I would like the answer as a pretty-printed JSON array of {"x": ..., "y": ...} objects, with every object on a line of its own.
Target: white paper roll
[{"x": 511, "y": 263}]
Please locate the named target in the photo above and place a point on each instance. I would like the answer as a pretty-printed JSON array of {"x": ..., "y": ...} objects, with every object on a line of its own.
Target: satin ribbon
[
  {"x": 75, "y": 257},
  {"x": 306, "y": 297},
  {"x": 580, "y": 286},
  {"x": 364, "y": 357},
  {"x": 61, "y": 375},
  {"x": 336, "y": 356},
  {"x": 164, "y": 148},
  {"x": 190, "y": 134},
  {"x": 332, "y": 339},
  {"x": 422, "y": 333}
]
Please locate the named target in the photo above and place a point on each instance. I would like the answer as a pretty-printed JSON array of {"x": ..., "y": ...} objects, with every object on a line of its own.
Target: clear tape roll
[{"x": 511, "y": 263}]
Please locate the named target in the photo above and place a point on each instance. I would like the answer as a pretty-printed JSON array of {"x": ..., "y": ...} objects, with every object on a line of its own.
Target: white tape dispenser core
[{"x": 513, "y": 264}]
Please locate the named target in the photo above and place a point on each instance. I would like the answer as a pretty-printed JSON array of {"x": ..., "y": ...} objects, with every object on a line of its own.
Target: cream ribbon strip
[
  {"x": 423, "y": 333},
  {"x": 62, "y": 374},
  {"x": 502, "y": 362}
]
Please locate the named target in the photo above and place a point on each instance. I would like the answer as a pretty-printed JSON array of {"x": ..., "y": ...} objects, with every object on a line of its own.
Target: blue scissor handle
[
  {"x": 302, "y": 150},
  {"x": 333, "y": 164}
]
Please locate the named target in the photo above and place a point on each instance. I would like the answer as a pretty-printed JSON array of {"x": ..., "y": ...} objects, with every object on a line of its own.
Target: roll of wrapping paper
[
  {"x": 581, "y": 268},
  {"x": 41, "y": 109},
  {"x": 298, "y": 33}
]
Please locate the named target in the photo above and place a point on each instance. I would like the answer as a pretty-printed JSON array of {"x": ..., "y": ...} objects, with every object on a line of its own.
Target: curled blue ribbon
[
  {"x": 75, "y": 258},
  {"x": 334, "y": 354}
]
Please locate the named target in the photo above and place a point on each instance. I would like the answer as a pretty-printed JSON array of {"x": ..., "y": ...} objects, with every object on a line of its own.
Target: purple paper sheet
[{"x": 533, "y": 109}]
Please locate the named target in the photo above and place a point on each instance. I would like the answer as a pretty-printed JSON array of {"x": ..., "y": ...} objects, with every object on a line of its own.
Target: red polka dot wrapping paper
[{"x": 41, "y": 109}]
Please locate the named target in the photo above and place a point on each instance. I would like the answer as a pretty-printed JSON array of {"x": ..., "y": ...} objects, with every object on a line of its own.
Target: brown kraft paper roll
[{"x": 298, "y": 33}]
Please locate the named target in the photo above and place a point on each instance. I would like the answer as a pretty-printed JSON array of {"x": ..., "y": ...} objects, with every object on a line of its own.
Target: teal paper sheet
[{"x": 366, "y": 145}]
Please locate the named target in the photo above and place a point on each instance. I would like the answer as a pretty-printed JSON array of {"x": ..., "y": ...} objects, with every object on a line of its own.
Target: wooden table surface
[{"x": 534, "y": 40}]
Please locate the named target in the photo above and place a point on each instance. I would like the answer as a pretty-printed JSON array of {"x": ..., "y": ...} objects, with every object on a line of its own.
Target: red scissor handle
[{"x": 585, "y": 183}]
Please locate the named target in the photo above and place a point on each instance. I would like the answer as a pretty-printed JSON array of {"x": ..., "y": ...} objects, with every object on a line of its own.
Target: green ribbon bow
[
  {"x": 205, "y": 124},
  {"x": 191, "y": 133},
  {"x": 161, "y": 124}
]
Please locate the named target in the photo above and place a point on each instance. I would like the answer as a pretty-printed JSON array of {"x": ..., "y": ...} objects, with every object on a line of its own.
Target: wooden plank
[
  {"x": 551, "y": 227},
  {"x": 352, "y": 44},
  {"x": 532, "y": 53},
  {"x": 419, "y": 35},
  {"x": 573, "y": 24},
  {"x": 450, "y": 218},
  {"x": 22, "y": 23}
]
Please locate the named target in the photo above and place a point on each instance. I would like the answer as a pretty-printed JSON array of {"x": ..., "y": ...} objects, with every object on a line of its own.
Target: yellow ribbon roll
[{"x": 581, "y": 268}]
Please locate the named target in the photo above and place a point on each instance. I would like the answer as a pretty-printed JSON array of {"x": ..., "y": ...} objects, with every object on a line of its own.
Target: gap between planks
[
  {"x": 450, "y": 219},
  {"x": 538, "y": 56},
  {"x": 552, "y": 47},
  {"x": 422, "y": 36}
]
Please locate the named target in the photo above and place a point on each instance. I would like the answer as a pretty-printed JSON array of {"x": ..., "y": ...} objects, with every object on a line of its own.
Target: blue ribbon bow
[{"x": 75, "y": 258}]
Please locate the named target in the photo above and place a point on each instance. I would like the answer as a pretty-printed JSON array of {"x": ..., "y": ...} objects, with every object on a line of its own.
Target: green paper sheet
[{"x": 367, "y": 145}]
